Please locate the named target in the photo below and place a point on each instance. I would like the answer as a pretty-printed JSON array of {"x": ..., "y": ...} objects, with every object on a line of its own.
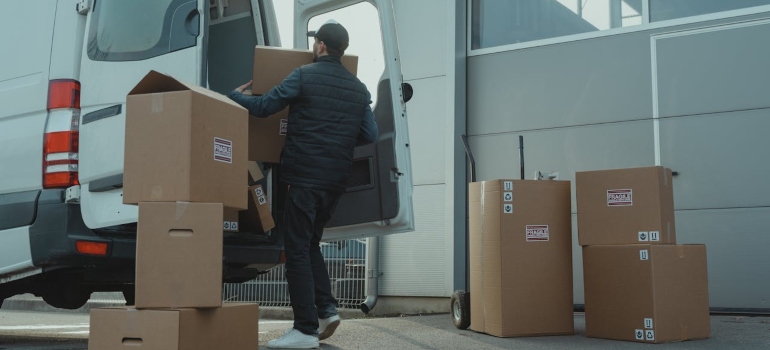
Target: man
[{"x": 329, "y": 114}]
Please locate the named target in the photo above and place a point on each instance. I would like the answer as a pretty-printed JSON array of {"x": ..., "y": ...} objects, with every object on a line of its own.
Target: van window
[
  {"x": 140, "y": 29},
  {"x": 363, "y": 24}
]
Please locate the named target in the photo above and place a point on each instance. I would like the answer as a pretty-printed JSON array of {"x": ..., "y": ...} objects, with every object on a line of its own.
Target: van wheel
[
  {"x": 460, "y": 304},
  {"x": 67, "y": 299}
]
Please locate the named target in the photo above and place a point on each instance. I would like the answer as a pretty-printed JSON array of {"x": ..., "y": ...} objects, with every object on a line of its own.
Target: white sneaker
[
  {"x": 327, "y": 326},
  {"x": 294, "y": 339}
]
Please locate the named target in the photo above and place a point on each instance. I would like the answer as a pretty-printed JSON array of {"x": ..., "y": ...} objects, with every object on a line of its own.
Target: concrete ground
[{"x": 28, "y": 330}]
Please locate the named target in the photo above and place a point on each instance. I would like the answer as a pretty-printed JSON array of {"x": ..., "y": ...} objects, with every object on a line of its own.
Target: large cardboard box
[
  {"x": 183, "y": 143},
  {"x": 646, "y": 293},
  {"x": 521, "y": 257},
  {"x": 179, "y": 255},
  {"x": 625, "y": 206},
  {"x": 232, "y": 327},
  {"x": 271, "y": 66}
]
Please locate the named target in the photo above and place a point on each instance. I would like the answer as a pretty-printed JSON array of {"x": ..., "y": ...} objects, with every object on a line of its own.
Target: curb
[{"x": 38, "y": 305}]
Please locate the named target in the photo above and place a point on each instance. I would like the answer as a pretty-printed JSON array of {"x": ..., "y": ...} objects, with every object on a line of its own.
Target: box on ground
[
  {"x": 183, "y": 143},
  {"x": 521, "y": 257},
  {"x": 179, "y": 255},
  {"x": 625, "y": 206},
  {"x": 271, "y": 66},
  {"x": 232, "y": 327},
  {"x": 646, "y": 293},
  {"x": 258, "y": 217}
]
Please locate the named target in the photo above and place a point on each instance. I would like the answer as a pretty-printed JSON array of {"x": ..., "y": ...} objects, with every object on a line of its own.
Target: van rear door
[
  {"x": 123, "y": 41},
  {"x": 378, "y": 200}
]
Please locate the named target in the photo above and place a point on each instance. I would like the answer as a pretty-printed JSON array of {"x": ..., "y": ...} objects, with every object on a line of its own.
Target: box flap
[
  {"x": 155, "y": 81},
  {"x": 212, "y": 94}
]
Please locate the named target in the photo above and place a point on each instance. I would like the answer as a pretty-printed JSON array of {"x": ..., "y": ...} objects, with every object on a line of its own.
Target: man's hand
[{"x": 243, "y": 87}]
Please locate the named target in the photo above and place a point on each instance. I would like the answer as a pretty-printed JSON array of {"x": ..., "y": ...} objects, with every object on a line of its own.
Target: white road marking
[
  {"x": 41, "y": 327},
  {"x": 77, "y": 332}
]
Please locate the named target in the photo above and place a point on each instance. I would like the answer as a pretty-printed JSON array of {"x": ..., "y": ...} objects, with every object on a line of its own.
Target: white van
[{"x": 65, "y": 70}]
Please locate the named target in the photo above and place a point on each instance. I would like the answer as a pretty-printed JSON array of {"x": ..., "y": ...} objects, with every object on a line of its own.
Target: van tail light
[
  {"x": 91, "y": 248},
  {"x": 62, "y": 134},
  {"x": 63, "y": 93}
]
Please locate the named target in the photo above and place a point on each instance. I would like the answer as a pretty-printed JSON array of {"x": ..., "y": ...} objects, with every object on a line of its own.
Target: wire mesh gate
[{"x": 345, "y": 261}]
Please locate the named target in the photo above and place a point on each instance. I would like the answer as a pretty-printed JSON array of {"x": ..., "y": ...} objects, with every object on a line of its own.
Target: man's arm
[
  {"x": 272, "y": 102},
  {"x": 369, "y": 132}
]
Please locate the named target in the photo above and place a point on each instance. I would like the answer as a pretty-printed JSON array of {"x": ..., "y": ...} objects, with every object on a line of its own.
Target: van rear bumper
[{"x": 58, "y": 226}]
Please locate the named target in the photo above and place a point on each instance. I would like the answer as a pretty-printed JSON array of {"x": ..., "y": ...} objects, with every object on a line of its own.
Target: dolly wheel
[{"x": 461, "y": 309}]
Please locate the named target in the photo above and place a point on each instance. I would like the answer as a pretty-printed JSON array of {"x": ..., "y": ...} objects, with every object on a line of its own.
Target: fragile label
[
  {"x": 262, "y": 200},
  {"x": 644, "y": 254},
  {"x": 508, "y": 209},
  {"x": 258, "y": 191},
  {"x": 644, "y": 236},
  {"x": 537, "y": 233},
  {"x": 619, "y": 198},
  {"x": 648, "y": 323},
  {"x": 223, "y": 150},
  {"x": 639, "y": 334},
  {"x": 508, "y": 196},
  {"x": 649, "y": 335},
  {"x": 508, "y": 185},
  {"x": 654, "y": 236},
  {"x": 284, "y": 127},
  {"x": 230, "y": 226}
]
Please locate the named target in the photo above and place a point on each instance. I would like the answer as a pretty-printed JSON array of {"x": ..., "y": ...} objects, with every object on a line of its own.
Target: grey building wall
[{"x": 692, "y": 99}]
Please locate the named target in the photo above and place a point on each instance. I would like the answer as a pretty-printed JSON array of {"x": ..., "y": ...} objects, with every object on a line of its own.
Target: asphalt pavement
[{"x": 25, "y": 330}]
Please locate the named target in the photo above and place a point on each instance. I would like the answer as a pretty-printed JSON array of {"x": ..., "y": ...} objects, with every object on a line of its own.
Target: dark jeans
[{"x": 307, "y": 213}]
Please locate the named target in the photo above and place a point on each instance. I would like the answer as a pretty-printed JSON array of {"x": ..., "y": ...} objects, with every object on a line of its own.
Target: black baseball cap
[{"x": 333, "y": 34}]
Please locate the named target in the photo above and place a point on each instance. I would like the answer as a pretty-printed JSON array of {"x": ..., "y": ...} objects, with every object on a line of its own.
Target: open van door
[
  {"x": 124, "y": 40},
  {"x": 378, "y": 200},
  {"x": 204, "y": 42}
]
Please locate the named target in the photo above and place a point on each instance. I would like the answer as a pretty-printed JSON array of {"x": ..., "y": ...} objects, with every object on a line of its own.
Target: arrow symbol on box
[{"x": 643, "y": 236}]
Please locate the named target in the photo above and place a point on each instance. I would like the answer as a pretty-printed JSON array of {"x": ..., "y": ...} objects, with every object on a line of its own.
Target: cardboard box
[
  {"x": 271, "y": 66},
  {"x": 179, "y": 255},
  {"x": 183, "y": 143},
  {"x": 258, "y": 216},
  {"x": 646, "y": 293},
  {"x": 230, "y": 220},
  {"x": 232, "y": 327},
  {"x": 521, "y": 257},
  {"x": 625, "y": 206}
]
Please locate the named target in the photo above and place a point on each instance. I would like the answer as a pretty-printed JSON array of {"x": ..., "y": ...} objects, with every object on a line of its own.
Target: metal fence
[{"x": 345, "y": 261}]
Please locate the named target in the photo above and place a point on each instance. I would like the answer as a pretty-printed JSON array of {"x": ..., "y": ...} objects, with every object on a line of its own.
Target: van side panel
[
  {"x": 67, "y": 45},
  {"x": 23, "y": 93}
]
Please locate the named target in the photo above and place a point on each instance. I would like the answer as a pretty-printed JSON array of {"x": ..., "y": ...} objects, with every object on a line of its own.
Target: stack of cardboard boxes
[
  {"x": 520, "y": 251},
  {"x": 639, "y": 284},
  {"x": 185, "y": 158}
]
